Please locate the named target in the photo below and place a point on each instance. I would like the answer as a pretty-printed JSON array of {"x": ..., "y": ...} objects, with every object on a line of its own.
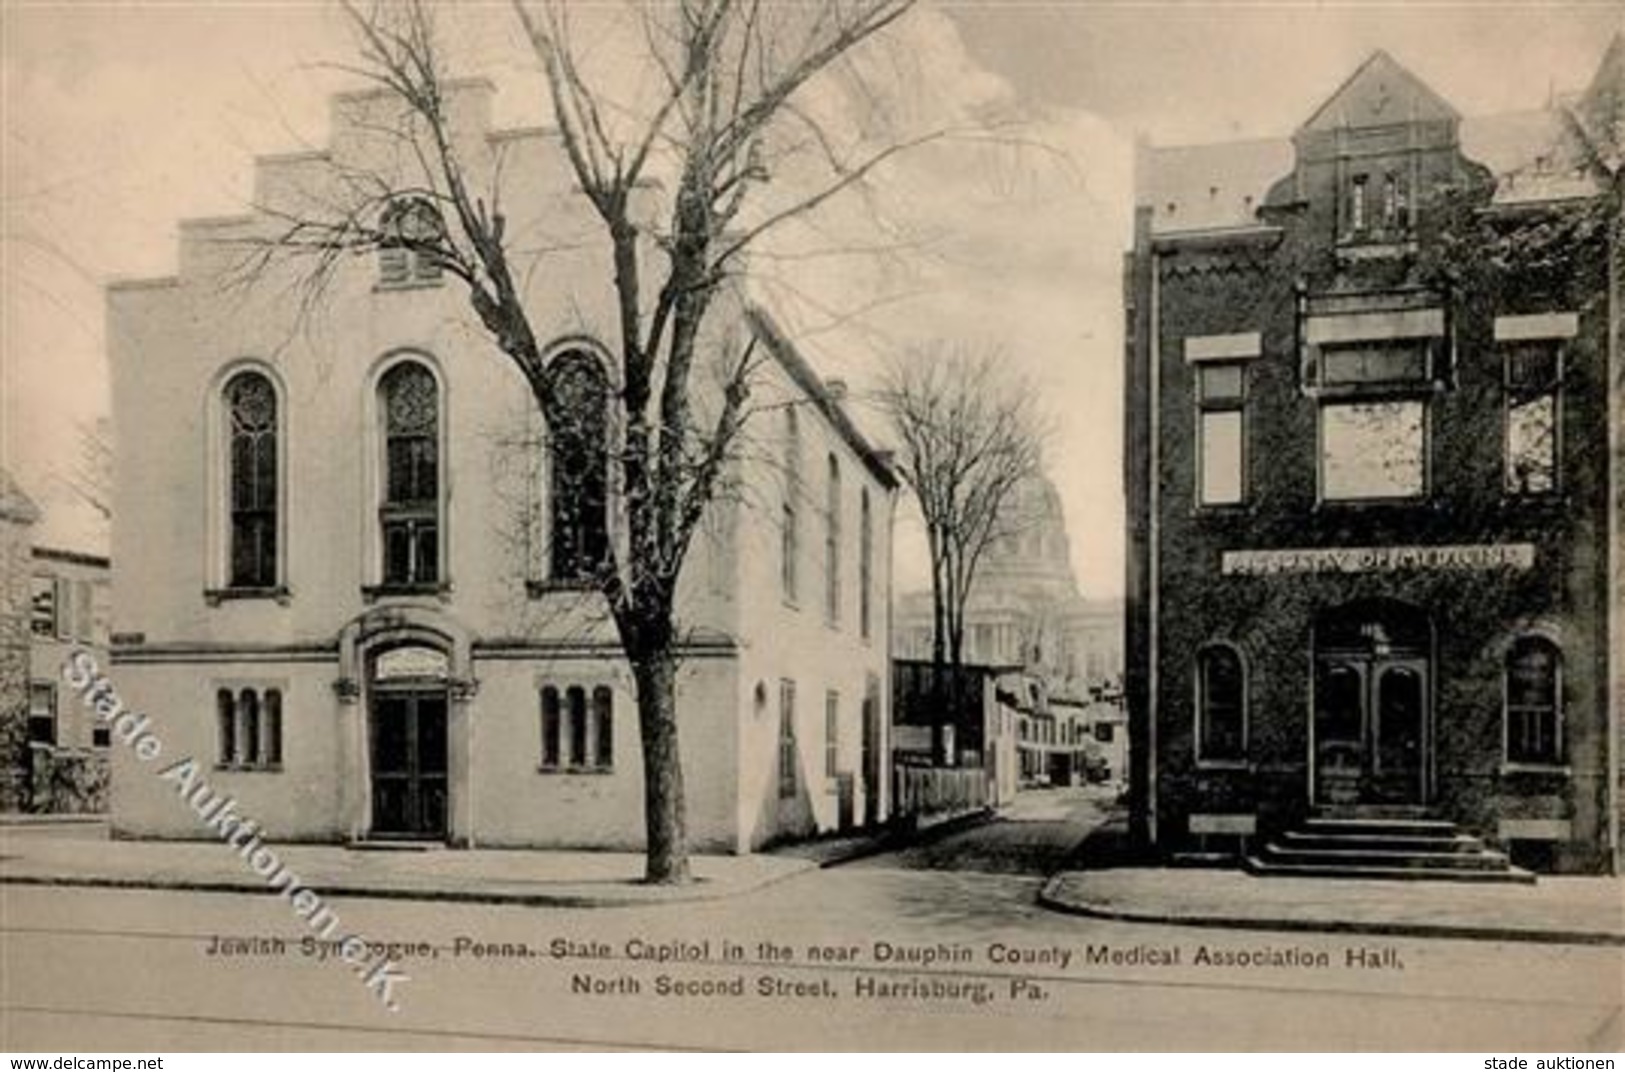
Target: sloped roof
[
  {"x": 1380, "y": 92},
  {"x": 1601, "y": 108},
  {"x": 1210, "y": 187},
  {"x": 797, "y": 368},
  {"x": 15, "y": 505}
]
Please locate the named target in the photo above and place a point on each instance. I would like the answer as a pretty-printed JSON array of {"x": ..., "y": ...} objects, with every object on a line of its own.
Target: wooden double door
[
  {"x": 409, "y": 764},
  {"x": 1372, "y": 728}
]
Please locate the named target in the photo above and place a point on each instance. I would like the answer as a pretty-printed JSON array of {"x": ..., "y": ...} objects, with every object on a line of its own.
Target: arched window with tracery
[
  {"x": 251, "y": 416},
  {"x": 409, "y": 515},
  {"x": 579, "y": 473}
]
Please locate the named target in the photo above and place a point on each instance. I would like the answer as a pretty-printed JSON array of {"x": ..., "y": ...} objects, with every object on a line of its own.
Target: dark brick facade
[{"x": 1429, "y": 266}]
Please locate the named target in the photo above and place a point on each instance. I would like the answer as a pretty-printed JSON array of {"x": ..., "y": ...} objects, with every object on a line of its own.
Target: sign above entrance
[
  {"x": 1478, "y": 556},
  {"x": 398, "y": 663}
]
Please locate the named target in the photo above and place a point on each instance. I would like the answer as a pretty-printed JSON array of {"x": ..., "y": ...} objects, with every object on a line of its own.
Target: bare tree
[
  {"x": 970, "y": 436},
  {"x": 92, "y": 476},
  {"x": 725, "y": 108}
]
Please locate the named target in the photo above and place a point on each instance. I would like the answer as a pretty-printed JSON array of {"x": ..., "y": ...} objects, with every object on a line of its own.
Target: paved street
[{"x": 130, "y": 970}]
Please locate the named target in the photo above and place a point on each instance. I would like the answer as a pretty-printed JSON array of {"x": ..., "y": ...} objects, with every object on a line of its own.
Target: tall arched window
[
  {"x": 1534, "y": 701},
  {"x": 579, "y": 480},
  {"x": 790, "y": 524},
  {"x": 250, "y": 403},
  {"x": 1221, "y": 718},
  {"x": 866, "y": 564},
  {"x": 410, "y": 513},
  {"x": 832, "y": 542}
]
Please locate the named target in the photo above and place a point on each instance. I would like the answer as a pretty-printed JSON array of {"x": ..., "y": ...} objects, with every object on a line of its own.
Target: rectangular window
[
  {"x": 603, "y": 725},
  {"x": 1221, "y": 398},
  {"x": 42, "y": 712},
  {"x": 1390, "y": 362},
  {"x": 1103, "y": 732},
  {"x": 787, "y": 740},
  {"x": 552, "y": 731},
  {"x": 578, "y": 729},
  {"x": 83, "y": 618},
  {"x": 832, "y": 732},
  {"x": 1373, "y": 450},
  {"x": 1357, "y": 206},
  {"x": 43, "y": 606},
  {"x": 1532, "y": 376},
  {"x": 248, "y": 727},
  {"x": 1395, "y": 207},
  {"x": 394, "y": 264}
]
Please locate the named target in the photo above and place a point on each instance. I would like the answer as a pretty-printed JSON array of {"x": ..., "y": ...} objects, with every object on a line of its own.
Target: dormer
[{"x": 1368, "y": 157}]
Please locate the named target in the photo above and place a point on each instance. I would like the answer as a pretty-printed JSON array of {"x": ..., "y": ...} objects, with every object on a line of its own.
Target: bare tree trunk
[{"x": 655, "y": 675}]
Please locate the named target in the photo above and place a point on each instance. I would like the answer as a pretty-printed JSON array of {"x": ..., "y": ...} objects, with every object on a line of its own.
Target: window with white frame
[
  {"x": 248, "y": 721},
  {"x": 1534, "y": 702},
  {"x": 1532, "y": 374},
  {"x": 832, "y": 733},
  {"x": 409, "y": 515},
  {"x": 45, "y": 606},
  {"x": 250, "y": 405},
  {"x": 1374, "y": 418},
  {"x": 789, "y": 781},
  {"x": 42, "y": 712},
  {"x": 1221, "y": 399}
]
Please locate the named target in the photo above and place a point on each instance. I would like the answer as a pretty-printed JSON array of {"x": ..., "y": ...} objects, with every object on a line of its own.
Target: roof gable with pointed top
[
  {"x": 1381, "y": 92},
  {"x": 15, "y": 505}
]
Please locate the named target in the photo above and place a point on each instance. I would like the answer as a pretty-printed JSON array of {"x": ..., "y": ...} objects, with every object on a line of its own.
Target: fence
[{"x": 938, "y": 790}]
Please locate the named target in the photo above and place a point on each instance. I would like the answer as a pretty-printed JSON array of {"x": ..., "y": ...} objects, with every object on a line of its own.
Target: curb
[
  {"x": 53, "y": 819},
  {"x": 703, "y": 890},
  {"x": 1048, "y": 898},
  {"x": 908, "y": 838}
]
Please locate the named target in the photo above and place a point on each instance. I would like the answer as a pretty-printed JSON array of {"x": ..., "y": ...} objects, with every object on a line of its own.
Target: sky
[{"x": 119, "y": 120}]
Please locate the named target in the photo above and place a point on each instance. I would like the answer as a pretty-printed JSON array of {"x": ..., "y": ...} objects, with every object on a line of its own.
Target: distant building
[
  {"x": 18, "y": 515},
  {"x": 350, "y": 577},
  {"x": 1025, "y": 609},
  {"x": 1368, "y": 475},
  {"x": 68, "y": 611},
  {"x": 951, "y": 720}
]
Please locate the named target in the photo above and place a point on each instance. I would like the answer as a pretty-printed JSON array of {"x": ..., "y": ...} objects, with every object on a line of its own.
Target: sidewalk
[
  {"x": 1558, "y": 908},
  {"x": 36, "y": 856}
]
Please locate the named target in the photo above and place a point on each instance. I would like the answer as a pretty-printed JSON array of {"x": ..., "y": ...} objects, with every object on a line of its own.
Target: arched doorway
[
  {"x": 1372, "y": 719},
  {"x": 408, "y": 753}
]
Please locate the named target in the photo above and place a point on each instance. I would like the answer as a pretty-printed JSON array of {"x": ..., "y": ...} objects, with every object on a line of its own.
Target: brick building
[{"x": 1368, "y": 474}]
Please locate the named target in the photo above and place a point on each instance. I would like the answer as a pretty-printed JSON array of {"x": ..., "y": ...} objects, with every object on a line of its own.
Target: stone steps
[{"x": 1394, "y": 843}]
